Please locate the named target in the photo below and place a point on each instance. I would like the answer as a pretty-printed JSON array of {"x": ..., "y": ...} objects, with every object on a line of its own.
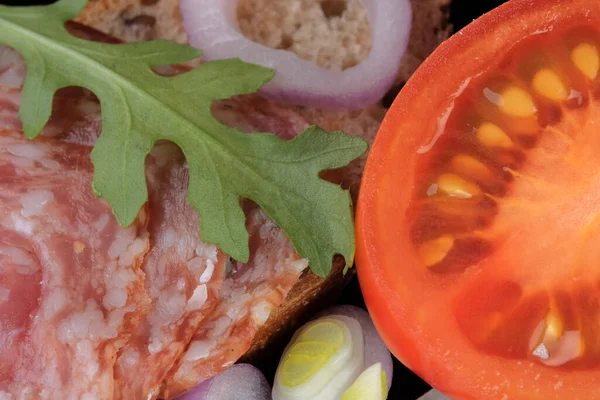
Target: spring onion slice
[
  {"x": 370, "y": 385},
  {"x": 323, "y": 359}
]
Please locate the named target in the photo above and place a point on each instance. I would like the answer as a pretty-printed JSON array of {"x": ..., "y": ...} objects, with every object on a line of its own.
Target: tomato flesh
[
  {"x": 478, "y": 221},
  {"x": 512, "y": 152}
]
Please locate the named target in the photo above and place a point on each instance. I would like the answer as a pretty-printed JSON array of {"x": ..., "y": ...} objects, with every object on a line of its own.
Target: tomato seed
[
  {"x": 586, "y": 59},
  {"x": 492, "y": 136},
  {"x": 455, "y": 186},
  {"x": 548, "y": 84},
  {"x": 516, "y": 102},
  {"x": 434, "y": 251}
]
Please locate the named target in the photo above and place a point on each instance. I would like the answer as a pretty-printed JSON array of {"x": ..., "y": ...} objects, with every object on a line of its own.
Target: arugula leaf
[{"x": 140, "y": 107}]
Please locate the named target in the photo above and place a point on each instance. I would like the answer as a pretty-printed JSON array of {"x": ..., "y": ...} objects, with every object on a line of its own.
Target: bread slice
[{"x": 314, "y": 30}]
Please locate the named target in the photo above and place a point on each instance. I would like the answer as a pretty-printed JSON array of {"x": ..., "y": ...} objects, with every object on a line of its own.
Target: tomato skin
[{"x": 397, "y": 291}]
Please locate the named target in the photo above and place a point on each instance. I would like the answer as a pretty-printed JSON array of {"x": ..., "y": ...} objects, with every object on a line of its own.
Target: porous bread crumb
[{"x": 333, "y": 34}]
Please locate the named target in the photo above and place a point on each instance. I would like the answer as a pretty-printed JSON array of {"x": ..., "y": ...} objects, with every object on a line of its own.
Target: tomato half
[{"x": 478, "y": 222}]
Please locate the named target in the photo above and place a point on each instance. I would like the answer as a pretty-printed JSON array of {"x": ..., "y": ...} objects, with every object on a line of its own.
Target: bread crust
[{"x": 134, "y": 20}]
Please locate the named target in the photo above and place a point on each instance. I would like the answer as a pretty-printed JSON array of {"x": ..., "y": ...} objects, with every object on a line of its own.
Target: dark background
[{"x": 405, "y": 384}]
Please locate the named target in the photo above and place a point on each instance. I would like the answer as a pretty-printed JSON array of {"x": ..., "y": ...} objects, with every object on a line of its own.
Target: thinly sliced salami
[
  {"x": 250, "y": 292},
  {"x": 178, "y": 275},
  {"x": 71, "y": 287},
  {"x": 182, "y": 274},
  {"x": 197, "y": 321},
  {"x": 183, "y": 278}
]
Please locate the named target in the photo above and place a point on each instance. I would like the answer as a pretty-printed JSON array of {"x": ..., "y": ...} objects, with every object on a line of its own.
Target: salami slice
[
  {"x": 71, "y": 288},
  {"x": 250, "y": 292},
  {"x": 183, "y": 278},
  {"x": 197, "y": 320},
  {"x": 182, "y": 274},
  {"x": 176, "y": 276}
]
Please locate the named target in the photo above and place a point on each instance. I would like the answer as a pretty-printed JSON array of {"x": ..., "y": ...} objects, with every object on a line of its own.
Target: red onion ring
[
  {"x": 240, "y": 381},
  {"x": 211, "y": 25}
]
